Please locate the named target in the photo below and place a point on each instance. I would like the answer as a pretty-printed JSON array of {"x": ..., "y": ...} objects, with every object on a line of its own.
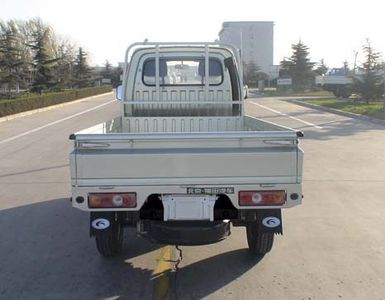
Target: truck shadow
[
  {"x": 200, "y": 279},
  {"x": 47, "y": 254}
]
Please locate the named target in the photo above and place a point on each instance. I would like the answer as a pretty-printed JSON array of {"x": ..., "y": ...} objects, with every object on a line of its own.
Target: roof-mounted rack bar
[{"x": 159, "y": 45}]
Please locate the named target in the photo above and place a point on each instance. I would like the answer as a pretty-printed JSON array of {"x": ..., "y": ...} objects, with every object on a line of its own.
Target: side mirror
[
  {"x": 245, "y": 91},
  {"x": 119, "y": 92}
]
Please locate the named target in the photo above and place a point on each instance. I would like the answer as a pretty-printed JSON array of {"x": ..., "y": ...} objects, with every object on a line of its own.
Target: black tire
[
  {"x": 110, "y": 244},
  {"x": 337, "y": 94},
  {"x": 259, "y": 243},
  {"x": 346, "y": 94}
]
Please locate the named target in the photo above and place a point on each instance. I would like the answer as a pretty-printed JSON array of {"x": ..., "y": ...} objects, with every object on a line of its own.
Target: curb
[
  {"x": 42, "y": 109},
  {"x": 338, "y": 112}
]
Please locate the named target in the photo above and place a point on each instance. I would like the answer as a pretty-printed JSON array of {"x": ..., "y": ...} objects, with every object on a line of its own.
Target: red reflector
[
  {"x": 262, "y": 198},
  {"x": 112, "y": 200}
]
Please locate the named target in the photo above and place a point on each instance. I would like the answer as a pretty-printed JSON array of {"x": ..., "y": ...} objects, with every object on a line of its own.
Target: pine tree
[
  {"x": 107, "y": 67},
  {"x": 250, "y": 73},
  {"x": 44, "y": 59},
  {"x": 107, "y": 72},
  {"x": 33, "y": 58},
  {"x": 345, "y": 66},
  {"x": 299, "y": 67},
  {"x": 115, "y": 77},
  {"x": 82, "y": 71},
  {"x": 370, "y": 84},
  {"x": 321, "y": 68}
]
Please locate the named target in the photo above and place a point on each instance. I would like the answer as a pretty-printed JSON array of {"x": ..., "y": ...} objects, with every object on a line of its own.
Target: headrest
[
  {"x": 215, "y": 68},
  {"x": 149, "y": 68}
]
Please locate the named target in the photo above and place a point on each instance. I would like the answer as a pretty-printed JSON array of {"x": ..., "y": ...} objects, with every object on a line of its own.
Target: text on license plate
[{"x": 210, "y": 190}]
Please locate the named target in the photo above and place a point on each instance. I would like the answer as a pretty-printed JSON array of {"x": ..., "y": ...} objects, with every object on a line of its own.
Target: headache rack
[{"x": 203, "y": 104}]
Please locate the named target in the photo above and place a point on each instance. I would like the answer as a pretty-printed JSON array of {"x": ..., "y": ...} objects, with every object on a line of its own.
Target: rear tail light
[
  {"x": 262, "y": 198},
  {"x": 112, "y": 200}
]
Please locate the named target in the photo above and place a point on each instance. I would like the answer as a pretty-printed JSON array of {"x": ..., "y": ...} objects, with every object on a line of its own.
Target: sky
[{"x": 332, "y": 29}]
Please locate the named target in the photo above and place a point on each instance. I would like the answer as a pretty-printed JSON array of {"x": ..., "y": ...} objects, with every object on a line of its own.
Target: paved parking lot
[{"x": 333, "y": 245}]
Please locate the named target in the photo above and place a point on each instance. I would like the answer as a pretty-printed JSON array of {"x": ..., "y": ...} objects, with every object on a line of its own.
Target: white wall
[{"x": 256, "y": 39}]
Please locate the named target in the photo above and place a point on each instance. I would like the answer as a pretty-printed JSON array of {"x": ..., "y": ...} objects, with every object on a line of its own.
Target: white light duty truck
[
  {"x": 338, "y": 81},
  {"x": 182, "y": 162}
]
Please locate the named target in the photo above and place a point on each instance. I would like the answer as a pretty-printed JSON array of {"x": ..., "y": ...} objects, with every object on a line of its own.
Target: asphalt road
[{"x": 333, "y": 245}]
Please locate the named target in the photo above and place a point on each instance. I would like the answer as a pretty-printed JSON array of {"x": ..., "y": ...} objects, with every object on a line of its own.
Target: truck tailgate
[{"x": 200, "y": 157}]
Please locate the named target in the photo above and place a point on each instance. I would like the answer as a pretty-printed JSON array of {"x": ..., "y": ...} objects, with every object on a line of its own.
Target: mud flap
[
  {"x": 102, "y": 222},
  {"x": 270, "y": 220}
]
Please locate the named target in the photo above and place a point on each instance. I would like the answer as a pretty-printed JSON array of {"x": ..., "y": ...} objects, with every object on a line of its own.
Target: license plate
[
  {"x": 210, "y": 190},
  {"x": 188, "y": 207}
]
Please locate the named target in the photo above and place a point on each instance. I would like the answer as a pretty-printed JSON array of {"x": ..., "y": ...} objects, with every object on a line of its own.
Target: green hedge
[{"x": 34, "y": 101}]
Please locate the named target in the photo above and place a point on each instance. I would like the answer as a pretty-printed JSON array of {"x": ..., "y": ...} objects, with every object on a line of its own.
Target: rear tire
[
  {"x": 110, "y": 244},
  {"x": 337, "y": 94},
  {"x": 346, "y": 94},
  {"x": 259, "y": 243}
]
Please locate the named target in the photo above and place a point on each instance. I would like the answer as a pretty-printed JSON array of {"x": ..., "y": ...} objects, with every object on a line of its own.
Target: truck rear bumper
[
  {"x": 144, "y": 191},
  {"x": 184, "y": 232}
]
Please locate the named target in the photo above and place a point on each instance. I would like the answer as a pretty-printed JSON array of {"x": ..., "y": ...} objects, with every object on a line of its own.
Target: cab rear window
[{"x": 174, "y": 72}]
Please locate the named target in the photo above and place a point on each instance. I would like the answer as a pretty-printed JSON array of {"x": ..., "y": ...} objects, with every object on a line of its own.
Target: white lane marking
[
  {"x": 54, "y": 123},
  {"x": 286, "y": 115}
]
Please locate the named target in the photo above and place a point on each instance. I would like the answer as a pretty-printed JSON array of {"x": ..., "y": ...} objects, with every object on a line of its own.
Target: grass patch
[
  {"x": 288, "y": 93},
  {"x": 373, "y": 109},
  {"x": 35, "y": 101}
]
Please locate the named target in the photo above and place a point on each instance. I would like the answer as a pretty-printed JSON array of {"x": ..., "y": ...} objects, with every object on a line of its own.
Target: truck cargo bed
[{"x": 201, "y": 150}]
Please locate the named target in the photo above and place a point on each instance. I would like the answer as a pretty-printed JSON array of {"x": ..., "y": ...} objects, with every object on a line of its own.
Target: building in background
[{"x": 254, "y": 39}]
